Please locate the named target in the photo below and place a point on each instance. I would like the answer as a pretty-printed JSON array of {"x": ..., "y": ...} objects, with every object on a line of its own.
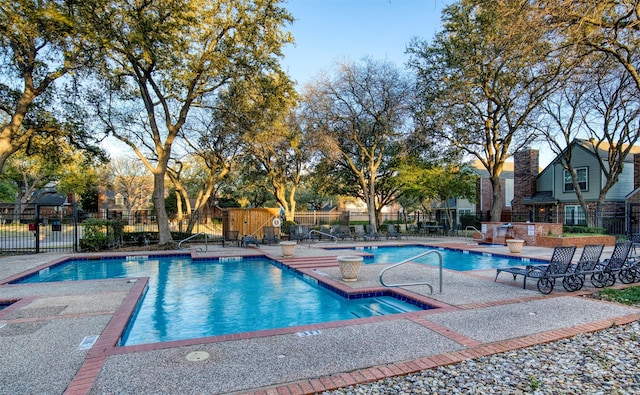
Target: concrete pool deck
[{"x": 41, "y": 333}]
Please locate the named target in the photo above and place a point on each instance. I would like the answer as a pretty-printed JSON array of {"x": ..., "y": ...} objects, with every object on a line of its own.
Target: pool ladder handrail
[
  {"x": 312, "y": 231},
  {"x": 206, "y": 239},
  {"x": 411, "y": 260},
  {"x": 476, "y": 230}
]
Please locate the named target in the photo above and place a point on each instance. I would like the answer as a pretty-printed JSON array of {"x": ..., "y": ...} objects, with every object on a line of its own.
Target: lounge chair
[
  {"x": 589, "y": 260},
  {"x": 231, "y": 237},
  {"x": 344, "y": 232},
  {"x": 546, "y": 274},
  {"x": 392, "y": 232},
  {"x": 325, "y": 231},
  {"x": 300, "y": 232},
  {"x": 635, "y": 242},
  {"x": 269, "y": 235},
  {"x": 371, "y": 233},
  {"x": 604, "y": 275},
  {"x": 248, "y": 240},
  {"x": 359, "y": 232}
]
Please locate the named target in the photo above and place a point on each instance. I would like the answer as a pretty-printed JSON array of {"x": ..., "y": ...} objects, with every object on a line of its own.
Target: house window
[
  {"x": 582, "y": 176},
  {"x": 574, "y": 215}
]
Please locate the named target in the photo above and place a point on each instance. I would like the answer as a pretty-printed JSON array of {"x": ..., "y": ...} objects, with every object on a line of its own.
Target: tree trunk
[
  {"x": 130, "y": 212},
  {"x": 498, "y": 200},
  {"x": 290, "y": 216},
  {"x": 17, "y": 207},
  {"x": 194, "y": 216},
  {"x": 371, "y": 204},
  {"x": 179, "y": 215},
  {"x": 164, "y": 233}
]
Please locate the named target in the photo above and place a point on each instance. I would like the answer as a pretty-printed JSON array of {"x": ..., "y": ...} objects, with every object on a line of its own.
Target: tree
[
  {"x": 437, "y": 184},
  {"x": 482, "y": 80},
  {"x": 71, "y": 171},
  {"x": 355, "y": 119},
  {"x": 161, "y": 59},
  {"x": 601, "y": 105},
  {"x": 606, "y": 27},
  {"x": 28, "y": 174},
  {"x": 279, "y": 153},
  {"x": 39, "y": 46},
  {"x": 259, "y": 112}
]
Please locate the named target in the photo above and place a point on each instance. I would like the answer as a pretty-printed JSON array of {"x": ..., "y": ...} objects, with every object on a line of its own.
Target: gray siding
[
  {"x": 545, "y": 179},
  {"x": 620, "y": 189},
  {"x": 579, "y": 158}
]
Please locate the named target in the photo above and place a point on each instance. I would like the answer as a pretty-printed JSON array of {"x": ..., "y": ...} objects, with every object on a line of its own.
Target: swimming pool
[
  {"x": 451, "y": 259},
  {"x": 190, "y": 299}
]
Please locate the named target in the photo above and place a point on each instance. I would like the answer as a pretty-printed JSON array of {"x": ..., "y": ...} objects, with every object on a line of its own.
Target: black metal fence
[
  {"x": 49, "y": 229},
  {"x": 56, "y": 229},
  {"x": 39, "y": 230},
  {"x": 610, "y": 222},
  {"x": 148, "y": 222}
]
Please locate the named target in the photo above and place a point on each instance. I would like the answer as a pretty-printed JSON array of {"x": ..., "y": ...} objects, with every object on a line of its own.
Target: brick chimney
[
  {"x": 636, "y": 171},
  {"x": 525, "y": 172}
]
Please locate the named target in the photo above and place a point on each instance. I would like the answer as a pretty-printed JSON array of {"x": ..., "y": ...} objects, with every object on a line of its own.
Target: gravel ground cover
[{"x": 604, "y": 362}]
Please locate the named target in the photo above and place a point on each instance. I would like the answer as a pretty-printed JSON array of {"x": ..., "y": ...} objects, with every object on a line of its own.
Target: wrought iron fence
[
  {"x": 47, "y": 230},
  {"x": 610, "y": 222},
  {"x": 148, "y": 223},
  {"x": 29, "y": 233}
]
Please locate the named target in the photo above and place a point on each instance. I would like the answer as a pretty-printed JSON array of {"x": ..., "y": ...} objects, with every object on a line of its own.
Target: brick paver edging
[{"x": 375, "y": 373}]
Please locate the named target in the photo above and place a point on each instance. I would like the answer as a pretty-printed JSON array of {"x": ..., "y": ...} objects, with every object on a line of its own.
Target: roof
[
  {"x": 48, "y": 198},
  {"x": 540, "y": 197},
  {"x": 604, "y": 147},
  {"x": 507, "y": 169}
]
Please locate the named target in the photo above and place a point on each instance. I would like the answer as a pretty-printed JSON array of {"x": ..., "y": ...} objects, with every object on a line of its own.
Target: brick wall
[
  {"x": 498, "y": 233},
  {"x": 526, "y": 165},
  {"x": 636, "y": 171}
]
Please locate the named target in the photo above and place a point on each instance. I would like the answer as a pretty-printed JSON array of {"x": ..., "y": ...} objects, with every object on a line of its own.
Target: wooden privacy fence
[{"x": 250, "y": 221}]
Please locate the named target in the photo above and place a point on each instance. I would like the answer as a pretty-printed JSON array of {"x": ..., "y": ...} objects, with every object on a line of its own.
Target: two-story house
[
  {"x": 549, "y": 195},
  {"x": 113, "y": 205}
]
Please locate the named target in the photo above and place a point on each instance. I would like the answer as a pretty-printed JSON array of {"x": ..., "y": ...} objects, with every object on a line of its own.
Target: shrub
[
  {"x": 582, "y": 229},
  {"x": 286, "y": 227},
  {"x": 100, "y": 234}
]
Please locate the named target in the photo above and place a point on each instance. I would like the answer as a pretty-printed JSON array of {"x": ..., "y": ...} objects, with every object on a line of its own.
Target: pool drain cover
[
  {"x": 308, "y": 333},
  {"x": 87, "y": 342},
  {"x": 197, "y": 356}
]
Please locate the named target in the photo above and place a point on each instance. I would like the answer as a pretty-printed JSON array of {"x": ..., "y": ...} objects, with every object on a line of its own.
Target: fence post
[
  {"x": 627, "y": 220},
  {"x": 75, "y": 226},
  {"x": 37, "y": 232}
]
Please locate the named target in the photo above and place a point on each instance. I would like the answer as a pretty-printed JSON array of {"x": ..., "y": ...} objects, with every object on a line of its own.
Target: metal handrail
[
  {"x": 206, "y": 239},
  {"x": 410, "y": 260},
  {"x": 321, "y": 233},
  {"x": 473, "y": 228}
]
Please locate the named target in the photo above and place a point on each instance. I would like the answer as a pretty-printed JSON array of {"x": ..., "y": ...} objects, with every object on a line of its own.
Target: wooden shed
[{"x": 249, "y": 221}]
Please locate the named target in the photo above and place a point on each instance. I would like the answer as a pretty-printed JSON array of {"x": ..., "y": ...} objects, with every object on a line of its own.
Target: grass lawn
[{"x": 629, "y": 296}]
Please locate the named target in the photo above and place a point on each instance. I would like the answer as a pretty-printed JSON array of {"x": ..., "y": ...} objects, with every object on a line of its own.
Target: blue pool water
[
  {"x": 451, "y": 259},
  {"x": 189, "y": 299}
]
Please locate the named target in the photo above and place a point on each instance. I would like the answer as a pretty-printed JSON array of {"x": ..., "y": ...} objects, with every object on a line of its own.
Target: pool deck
[{"x": 41, "y": 332}]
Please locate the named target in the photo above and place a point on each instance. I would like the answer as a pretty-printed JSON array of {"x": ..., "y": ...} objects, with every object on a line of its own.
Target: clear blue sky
[{"x": 328, "y": 31}]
